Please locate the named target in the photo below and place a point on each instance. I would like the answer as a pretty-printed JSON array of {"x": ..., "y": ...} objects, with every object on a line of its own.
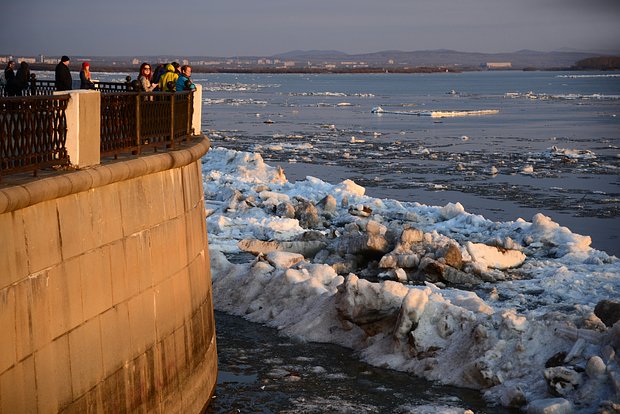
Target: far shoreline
[{"x": 307, "y": 70}]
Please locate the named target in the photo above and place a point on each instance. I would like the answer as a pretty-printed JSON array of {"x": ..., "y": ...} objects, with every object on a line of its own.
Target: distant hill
[
  {"x": 443, "y": 57},
  {"x": 599, "y": 63},
  {"x": 321, "y": 61}
]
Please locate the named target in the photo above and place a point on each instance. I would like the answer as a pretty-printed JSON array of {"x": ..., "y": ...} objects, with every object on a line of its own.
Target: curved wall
[{"x": 105, "y": 289}]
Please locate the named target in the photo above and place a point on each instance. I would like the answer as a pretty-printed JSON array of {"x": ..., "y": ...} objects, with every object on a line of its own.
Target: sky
[{"x": 267, "y": 27}]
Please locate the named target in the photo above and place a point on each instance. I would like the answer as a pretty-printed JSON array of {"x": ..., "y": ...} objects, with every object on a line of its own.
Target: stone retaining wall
[{"x": 105, "y": 289}]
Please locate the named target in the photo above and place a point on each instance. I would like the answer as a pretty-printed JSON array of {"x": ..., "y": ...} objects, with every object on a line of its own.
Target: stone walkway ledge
[{"x": 17, "y": 196}]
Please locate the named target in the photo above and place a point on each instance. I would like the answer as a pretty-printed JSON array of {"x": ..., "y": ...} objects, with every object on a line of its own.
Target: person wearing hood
[
  {"x": 184, "y": 82},
  {"x": 168, "y": 81}
]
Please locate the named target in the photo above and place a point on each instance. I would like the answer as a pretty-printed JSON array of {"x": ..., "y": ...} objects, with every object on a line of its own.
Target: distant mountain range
[{"x": 443, "y": 57}]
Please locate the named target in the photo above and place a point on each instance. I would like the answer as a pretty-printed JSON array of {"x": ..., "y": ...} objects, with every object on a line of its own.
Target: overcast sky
[{"x": 267, "y": 27}]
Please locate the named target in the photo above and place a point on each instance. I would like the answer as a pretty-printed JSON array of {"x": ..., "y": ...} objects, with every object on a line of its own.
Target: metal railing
[
  {"x": 160, "y": 119},
  {"x": 33, "y": 129},
  {"x": 33, "y": 133},
  {"x": 40, "y": 87}
]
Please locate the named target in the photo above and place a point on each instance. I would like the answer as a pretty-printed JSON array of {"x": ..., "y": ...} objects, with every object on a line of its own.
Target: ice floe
[
  {"x": 525, "y": 311},
  {"x": 437, "y": 113}
]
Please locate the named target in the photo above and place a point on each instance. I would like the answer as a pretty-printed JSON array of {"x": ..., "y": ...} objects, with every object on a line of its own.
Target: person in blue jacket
[{"x": 184, "y": 81}]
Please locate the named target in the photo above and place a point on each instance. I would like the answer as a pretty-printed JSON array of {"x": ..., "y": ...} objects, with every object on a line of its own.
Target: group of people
[
  {"x": 15, "y": 84},
  {"x": 166, "y": 78},
  {"x": 63, "y": 79}
]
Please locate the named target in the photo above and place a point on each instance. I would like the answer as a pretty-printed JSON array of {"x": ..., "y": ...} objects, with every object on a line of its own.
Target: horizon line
[{"x": 319, "y": 51}]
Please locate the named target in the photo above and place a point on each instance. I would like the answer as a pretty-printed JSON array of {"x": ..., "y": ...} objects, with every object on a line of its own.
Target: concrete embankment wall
[{"x": 105, "y": 289}]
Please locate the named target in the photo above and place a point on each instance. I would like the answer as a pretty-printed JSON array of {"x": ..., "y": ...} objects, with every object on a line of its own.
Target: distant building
[
  {"x": 498, "y": 65},
  {"x": 353, "y": 64},
  {"x": 135, "y": 61}
]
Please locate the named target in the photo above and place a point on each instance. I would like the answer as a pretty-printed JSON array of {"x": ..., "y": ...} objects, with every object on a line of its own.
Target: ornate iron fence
[
  {"x": 47, "y": 87},
  {"x": 33, "y": 132},
  {"x": 33, "y": 128},
  {"x": 161, "y": 120},
  {"x": 38, "y": 87},
  {"x": 118, "y": 123},
  {"x": 41, "y": 87}
]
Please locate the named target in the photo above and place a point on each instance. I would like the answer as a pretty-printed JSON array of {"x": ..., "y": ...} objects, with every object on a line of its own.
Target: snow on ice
[{"x": 524, "y": 311}]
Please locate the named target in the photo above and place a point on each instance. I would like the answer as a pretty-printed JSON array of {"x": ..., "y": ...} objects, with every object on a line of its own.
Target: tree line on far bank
[{"x": 599, "y": 63}]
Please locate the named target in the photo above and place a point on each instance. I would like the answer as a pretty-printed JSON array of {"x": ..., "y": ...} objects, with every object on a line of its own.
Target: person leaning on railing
[
  {"x": 168, "y": 81},
  {"x": 184, "y": 82},
  {"x": 144, "y": 78},
  {"x": 85, "y": 81},
  {"x": 63, "y": 75}
]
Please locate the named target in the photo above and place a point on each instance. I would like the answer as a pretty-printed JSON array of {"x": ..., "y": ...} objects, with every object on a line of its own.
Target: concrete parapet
[
  {"x": 23, "y": 195},
  {"x": 105, "y": 289},
  {"x": 197, "y": 115},
  {"x": 83, "y": 127}
]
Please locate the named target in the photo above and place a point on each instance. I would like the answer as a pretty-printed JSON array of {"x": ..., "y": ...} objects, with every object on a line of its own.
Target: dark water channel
[{"x": 263, "y": 372}]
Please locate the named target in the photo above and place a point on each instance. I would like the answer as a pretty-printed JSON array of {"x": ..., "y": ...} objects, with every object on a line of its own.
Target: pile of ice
[
  {"x": 562, "y": 97},
  {"x": 524, "y": 311},
  {"x": 570, "y": 153}
]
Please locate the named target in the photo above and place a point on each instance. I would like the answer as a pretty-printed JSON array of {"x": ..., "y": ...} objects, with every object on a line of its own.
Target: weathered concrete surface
[{"x": 105, "y": 289}]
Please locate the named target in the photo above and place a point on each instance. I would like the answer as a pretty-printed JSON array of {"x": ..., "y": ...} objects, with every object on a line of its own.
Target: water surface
[
  {"x": 263, "y": 372},
  {"x": 505, "y": 166}
]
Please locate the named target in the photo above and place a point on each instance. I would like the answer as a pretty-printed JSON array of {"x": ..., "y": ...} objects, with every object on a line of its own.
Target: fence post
[
  {"x": 188, "y": 127},
  {"x": 138, "y": 123},
  {"x": 172, "y": 95}
]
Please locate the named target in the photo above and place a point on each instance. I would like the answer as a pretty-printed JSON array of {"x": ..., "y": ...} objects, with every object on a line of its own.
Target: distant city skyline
[{"x": 229, "y": 28}]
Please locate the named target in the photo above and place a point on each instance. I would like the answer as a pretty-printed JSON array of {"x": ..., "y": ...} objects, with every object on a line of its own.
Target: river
[{"x": 261, "y": 371}]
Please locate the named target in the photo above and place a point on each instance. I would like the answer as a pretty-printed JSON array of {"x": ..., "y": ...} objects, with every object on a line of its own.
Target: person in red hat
[{"x": 85, "y": 82}]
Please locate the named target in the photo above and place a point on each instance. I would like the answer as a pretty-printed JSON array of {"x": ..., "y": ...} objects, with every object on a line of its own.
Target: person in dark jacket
[
  {"x": 9, "y": 77},
  {"x": 63, "y": 75},
  {"x": 22, "y": 77},
  {"x": 158, "y": 73}
]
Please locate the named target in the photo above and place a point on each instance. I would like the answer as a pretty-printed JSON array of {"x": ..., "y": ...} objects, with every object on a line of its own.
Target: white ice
[{"x": 495, "y": 338}]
